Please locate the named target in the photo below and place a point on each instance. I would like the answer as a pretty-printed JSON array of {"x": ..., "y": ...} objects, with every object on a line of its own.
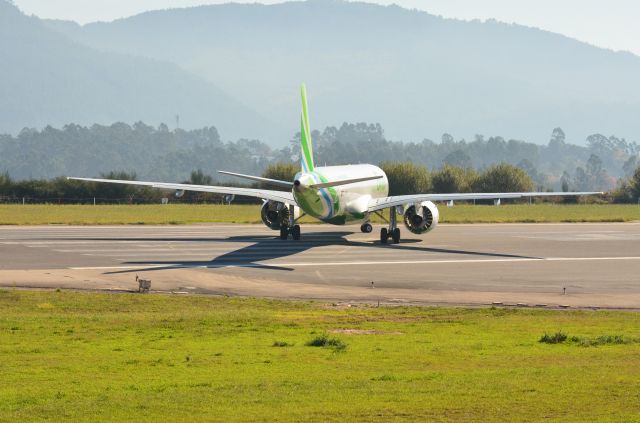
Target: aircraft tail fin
[{"x": 306, "y": 146}]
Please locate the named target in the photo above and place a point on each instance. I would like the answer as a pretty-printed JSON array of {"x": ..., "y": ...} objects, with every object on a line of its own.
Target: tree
[
  {"x": 629, "y": 190},
  {"x": 453, "y": 179},
  {"x": 558, "y": 139},
  {"x": 504, "y": 178},
  {"x": 281, "y": 171},
  {"x": 198, "y": 177},
  {"x": 407, "y": 178},
  {"x": 630, "y": 165},
  {"x": 530, "y": 169},
  {"x": 458, "y": 158},
  {"x": 447, "y": 139},
  {"x": 596, "y": 175},
  {"x": 634, "y": 185},
  {"x": 565, "y": 181},
  {"x": 117, "y": 191},
  {"x": 5, "y": 183}
]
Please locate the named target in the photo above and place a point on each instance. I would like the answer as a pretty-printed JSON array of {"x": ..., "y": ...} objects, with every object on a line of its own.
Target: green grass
[
  {"x": 183, "y": 214},
  {"x": 131, "y": 357}
]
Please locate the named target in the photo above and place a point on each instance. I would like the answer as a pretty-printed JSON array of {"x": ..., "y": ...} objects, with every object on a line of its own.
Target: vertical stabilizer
[{"x": 306, "y": 147}]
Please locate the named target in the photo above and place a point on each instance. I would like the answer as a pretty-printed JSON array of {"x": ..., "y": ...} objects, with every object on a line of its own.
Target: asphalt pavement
[{"x": 552, "y": 265}]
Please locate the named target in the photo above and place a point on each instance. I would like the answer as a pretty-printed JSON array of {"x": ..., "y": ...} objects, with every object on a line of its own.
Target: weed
[
  {"x": 603, "y": 340},
  {"x": 326, "y": 342},
  {"x": 281, "y": 344},
  {"x": 384, "y": 378},
  {"x": 556, "y": 338}
]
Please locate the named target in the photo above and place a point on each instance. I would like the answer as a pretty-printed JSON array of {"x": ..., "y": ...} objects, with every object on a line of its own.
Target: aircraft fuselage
[{"x": 340, "y": 204}]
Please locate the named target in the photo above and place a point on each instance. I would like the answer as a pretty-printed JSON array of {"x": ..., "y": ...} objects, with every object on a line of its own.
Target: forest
[{"x": 34, "y": 162}]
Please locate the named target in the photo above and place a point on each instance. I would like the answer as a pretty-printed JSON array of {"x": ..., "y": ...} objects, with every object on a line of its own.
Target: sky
[{"x": 605, "y": 23}]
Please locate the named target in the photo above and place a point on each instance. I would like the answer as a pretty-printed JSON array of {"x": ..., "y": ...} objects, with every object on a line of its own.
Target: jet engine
[
  {"x": 421, "y": 218},
  {"x": 275, "y": 214}
]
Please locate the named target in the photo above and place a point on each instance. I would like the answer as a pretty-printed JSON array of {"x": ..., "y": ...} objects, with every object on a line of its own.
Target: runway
[{"x": 574, "y": 265}]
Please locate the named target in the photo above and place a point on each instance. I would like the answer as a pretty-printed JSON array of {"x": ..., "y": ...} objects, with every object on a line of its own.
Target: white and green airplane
[{"x": 337, "y": 195}]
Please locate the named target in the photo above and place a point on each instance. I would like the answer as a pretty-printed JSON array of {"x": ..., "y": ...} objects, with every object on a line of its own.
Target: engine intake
[
  {"x": 275, "y": 214},
  {"x": 422, "y": 220}
]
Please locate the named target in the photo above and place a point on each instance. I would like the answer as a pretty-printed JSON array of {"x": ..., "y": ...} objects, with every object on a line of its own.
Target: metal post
[
  {"x": 23, "y": 201},
  {"x": 94, "y": 201}
]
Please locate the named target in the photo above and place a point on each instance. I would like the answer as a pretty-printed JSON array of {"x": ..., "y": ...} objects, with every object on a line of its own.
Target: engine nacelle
[
  {"x": 275, "y": 214},
  {"x": 422, "y": 220}
]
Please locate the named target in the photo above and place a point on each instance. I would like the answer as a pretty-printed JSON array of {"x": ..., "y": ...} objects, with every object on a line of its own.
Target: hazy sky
[{"x": 606, "y": 23}]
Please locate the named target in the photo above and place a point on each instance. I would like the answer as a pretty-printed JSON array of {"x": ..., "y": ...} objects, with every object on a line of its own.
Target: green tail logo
[{"x": 306, "y": 148}]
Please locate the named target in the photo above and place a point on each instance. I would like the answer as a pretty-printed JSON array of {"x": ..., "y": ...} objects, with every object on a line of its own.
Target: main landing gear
[
  {"x": 291, "y": 228},
  {"x": 393, "y": 232},
  {"x": 294, "y": 231}
]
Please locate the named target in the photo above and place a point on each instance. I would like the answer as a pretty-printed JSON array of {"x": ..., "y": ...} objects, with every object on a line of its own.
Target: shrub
[
  {"x": 503, "y": 178},
  {"x": 406, "y": 178}
]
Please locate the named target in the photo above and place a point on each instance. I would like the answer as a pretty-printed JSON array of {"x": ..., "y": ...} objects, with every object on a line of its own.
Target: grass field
[
  {"x": 131, "y": 357},
  {"x": 182, "y": 214}
]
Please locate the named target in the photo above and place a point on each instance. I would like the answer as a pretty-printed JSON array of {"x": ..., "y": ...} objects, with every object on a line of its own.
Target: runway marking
[{"x": 355, "y": 263}]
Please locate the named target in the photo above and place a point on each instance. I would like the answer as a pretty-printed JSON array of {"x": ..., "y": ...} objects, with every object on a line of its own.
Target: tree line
[
  {"x": 158, "y": 153},
  {"x": 404, "y": 178},
  {"x": 409, "y": 178}
]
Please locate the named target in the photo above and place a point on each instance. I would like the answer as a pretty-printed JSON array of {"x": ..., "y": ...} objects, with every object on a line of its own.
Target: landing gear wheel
[
  {"x": 366, "y": 228},
  {"x": 284, "y": 232},
  {"x": 295, "y": 232},
  {"x": 384, "y": 235},
  {"x": 396, "y": 235}
]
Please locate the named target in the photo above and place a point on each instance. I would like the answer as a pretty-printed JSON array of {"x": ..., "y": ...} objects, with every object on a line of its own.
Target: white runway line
[{"x": 358, "y": 263}]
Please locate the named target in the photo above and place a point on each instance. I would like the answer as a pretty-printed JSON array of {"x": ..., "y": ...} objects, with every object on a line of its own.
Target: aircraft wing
[
  {"x": 376, "y": 204},
  {"x": 265, "y": 194}
]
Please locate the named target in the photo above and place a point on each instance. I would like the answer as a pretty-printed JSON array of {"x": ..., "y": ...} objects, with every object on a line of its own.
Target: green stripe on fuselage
[
  {"x": 313, "y": 201},
  {"x": 305, "y": 134}
]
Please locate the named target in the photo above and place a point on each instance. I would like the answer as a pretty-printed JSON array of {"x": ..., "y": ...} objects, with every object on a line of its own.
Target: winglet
[{"x": 306, "y": 147}]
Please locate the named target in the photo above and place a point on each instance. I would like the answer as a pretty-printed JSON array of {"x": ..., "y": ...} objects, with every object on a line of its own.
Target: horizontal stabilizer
[
  {"x": 276, "y": 182},
  {"x": 344, "y": 182}
]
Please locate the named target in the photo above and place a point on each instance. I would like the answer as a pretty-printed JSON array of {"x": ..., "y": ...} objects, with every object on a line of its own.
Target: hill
[
  {"x": 416, "y": 74},
  {"x": 48, "y": 79}
]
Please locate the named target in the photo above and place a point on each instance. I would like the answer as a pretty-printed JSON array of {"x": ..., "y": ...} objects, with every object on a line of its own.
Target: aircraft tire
[
  {"x": 384, "y": 235},
  {"x": 295, "y": 233},
  {"x": 366, "y": 228},
  {"x": 284, "y": 232},
  {"x": 396, "y": 235}
]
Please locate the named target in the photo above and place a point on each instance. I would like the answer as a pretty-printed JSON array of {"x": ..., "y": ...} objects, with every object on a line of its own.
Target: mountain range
[
  {"x": 238, "y": 67},
  {"x": 46, "y": 78}
]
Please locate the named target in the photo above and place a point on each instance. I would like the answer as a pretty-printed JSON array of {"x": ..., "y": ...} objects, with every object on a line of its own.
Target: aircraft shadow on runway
[{"x": 265, "y": 248}]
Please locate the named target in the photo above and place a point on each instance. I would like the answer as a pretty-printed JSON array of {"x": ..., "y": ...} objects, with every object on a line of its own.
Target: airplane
[{"x": 337, "y": 195}]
